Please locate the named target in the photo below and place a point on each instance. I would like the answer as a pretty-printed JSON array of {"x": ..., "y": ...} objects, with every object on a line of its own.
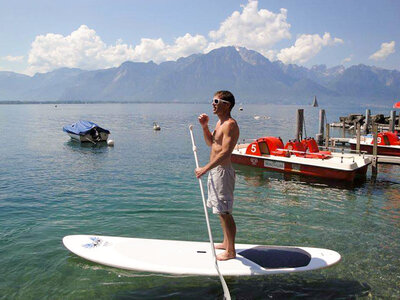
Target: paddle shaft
[{"x": 224, "y": 285}]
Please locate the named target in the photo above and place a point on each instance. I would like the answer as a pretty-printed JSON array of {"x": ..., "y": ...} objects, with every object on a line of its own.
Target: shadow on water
[
  {"x": 381, "y": 184},
  {"x": 259, "y": 177},
  {"x": 274, "y": 287},
  {"x": 143, "y": 285}
]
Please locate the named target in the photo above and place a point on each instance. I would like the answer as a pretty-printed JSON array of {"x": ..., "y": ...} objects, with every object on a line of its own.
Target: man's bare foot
[
  {"x": 220, "y": 246},
  {"x": 225, "y": 256}
]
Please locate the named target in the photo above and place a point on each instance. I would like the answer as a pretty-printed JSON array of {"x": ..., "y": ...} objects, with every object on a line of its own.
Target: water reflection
[
  {"x": 392, "y": 205},
  {"x": 86, "y": 157},
  {"x": 259, "y": 177},
  {"x": 77, "y": 145}
]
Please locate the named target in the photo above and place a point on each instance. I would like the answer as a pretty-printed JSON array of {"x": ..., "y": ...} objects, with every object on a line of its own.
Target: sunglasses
[{"x": 216, "y": 101}]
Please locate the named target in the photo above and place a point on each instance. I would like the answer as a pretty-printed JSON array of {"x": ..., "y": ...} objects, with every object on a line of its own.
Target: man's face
[{"x": 219, "y": 105}]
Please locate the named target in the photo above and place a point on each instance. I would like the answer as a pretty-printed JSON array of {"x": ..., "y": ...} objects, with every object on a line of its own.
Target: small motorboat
[
  {"x": 388, "y": 143},
  {"x": 86, "y": 131},
  {"x": 300, "y": 158}
]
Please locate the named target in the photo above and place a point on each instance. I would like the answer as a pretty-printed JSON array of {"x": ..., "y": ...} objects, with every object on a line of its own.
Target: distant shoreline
[
  {"x": 98, "y": 102},
  {"x": 16, "y": 102}
]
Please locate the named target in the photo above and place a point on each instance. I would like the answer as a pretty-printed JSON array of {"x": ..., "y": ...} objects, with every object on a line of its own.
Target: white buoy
[
  {"x": 156, "y": 127},
  {"x": 110, "y": 143}
]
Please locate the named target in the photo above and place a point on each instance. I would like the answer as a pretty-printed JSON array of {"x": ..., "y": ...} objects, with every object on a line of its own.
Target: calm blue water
[{"x": 144, "y": 187}]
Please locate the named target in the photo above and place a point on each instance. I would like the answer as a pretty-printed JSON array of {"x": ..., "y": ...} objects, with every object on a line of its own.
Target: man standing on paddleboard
[{"x": 221, "y": 177}]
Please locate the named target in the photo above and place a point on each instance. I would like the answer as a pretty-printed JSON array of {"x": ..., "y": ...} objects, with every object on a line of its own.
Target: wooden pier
[
  {"x": 384, "y": 159},
  {"x": 335, "y": 140},
  {"x": 344, "y": 141},
  {"x": 380, "y": 159},
  {"x": 385, "y": 123}
]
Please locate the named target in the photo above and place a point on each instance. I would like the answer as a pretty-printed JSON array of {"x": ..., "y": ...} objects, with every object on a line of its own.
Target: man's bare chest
[{"x": 217, "y": 136}]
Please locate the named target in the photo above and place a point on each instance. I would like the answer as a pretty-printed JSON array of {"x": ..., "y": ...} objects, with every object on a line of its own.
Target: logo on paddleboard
[{"x": 95, "y": 243}]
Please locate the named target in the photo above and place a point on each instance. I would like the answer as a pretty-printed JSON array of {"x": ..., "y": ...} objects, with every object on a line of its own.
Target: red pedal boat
[
  {"x": 300, "y": 158},
  {"x": 388, "y": 143}
]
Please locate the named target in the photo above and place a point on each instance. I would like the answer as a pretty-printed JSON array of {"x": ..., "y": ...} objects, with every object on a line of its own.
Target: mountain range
[{"x": 249, "y": 75}]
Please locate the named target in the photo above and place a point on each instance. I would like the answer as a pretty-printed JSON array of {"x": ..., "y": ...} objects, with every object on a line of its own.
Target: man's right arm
[
  {"x": 207, "y": 136},
  {"x": 203, "y": 120}
]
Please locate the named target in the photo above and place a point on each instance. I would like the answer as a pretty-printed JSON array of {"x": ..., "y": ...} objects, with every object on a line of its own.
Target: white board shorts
[{"x": 220, "y": 184}]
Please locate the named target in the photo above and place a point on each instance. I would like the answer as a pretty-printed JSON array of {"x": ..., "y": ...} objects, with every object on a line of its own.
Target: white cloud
[
  {"x": 13, "y": 58},
  {"x": 158, "y": 51},
  {"x": 385, "y": 50},
  {"x": 148, "y": 49},
  {"x": 270, "y": 54},
  {"x": 83, "y": 48},
  {"x": 306, "y": 47},
  {"x": 254, "y": 29},
  {"x": 347, "y": 59}
]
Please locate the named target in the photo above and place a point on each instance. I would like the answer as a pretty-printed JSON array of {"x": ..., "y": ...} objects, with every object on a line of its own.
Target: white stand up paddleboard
[{"x": 195, "y": 258}]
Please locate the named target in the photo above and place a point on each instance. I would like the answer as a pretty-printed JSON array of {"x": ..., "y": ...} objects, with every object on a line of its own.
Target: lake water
[{"x": 145, "y": 187}]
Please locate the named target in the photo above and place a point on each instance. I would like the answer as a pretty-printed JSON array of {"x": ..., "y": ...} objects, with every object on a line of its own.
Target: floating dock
[
  {"x": 384, "y": 159},
  {"x": 338, "y": 140}
]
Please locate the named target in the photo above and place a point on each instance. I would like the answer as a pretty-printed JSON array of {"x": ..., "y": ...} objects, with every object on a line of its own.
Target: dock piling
[
  {"x": 375, "y": 150},
  {"x": 355, "y": 127},
  {"x": 344, "y": 129},
  {"x": 327, "y": 136},
  {"x": 300, "y": 122},
  {"x": 320, "y": 135},
  {"x": 358, "y": 129},
  {"x": 392, "y": 120},
  {"x": 367, "y": 121}
]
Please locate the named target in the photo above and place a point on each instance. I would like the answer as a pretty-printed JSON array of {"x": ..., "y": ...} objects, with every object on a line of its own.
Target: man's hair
[{"x": 227, "y": 96}]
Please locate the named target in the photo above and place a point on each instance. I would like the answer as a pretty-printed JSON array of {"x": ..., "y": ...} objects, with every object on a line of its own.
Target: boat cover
[{"x": 82, "y": 127}]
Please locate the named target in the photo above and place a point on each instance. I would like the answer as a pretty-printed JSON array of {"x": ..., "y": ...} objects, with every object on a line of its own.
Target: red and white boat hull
[
  {"x": 345, "y": 167},
  {"x": 381, "y": 149}
]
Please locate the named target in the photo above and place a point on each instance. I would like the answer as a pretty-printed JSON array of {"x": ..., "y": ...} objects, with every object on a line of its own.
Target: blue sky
[{"x": 40, "y": 36}]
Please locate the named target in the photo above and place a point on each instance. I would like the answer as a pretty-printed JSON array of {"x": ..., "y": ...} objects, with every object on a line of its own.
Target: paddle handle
[{"x": 224, "y": 285}]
